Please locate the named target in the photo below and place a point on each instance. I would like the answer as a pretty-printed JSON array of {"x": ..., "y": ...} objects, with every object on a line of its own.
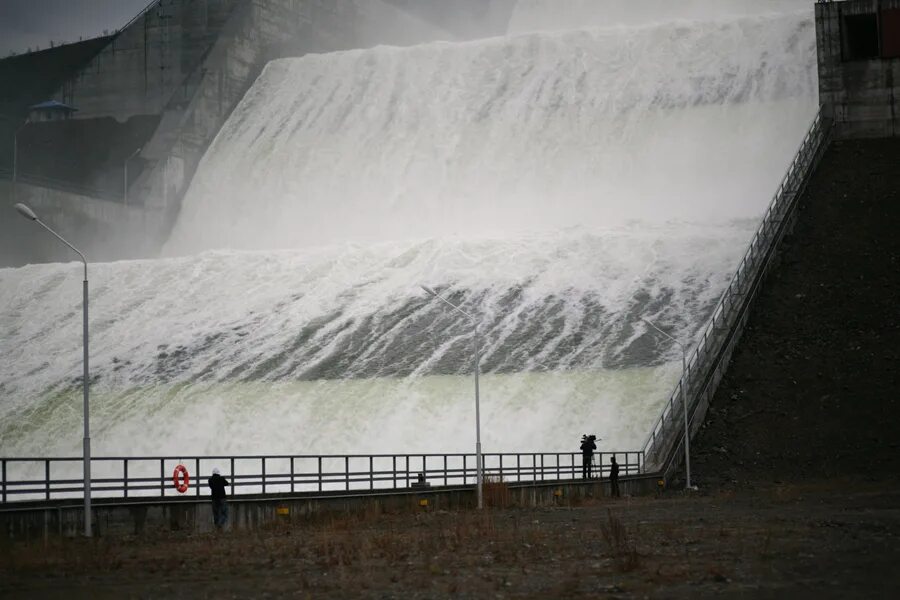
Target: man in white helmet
[{"x": 217, "y": 485}]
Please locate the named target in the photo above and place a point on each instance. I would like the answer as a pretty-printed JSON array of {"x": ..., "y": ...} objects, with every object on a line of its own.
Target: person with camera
[{"x": 588, "y": 445}]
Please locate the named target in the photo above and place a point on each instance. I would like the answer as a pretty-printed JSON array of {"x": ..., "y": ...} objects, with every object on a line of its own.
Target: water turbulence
[{"x": 558, "y": 185}]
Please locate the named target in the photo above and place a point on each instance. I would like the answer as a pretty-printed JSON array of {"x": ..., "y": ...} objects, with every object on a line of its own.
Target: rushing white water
[
  {"x": 559, "y": 185},
  {"x": 337, "y": 349},
  {"x": 556, "y": 15},
  {"x": 537, "y": 131}
]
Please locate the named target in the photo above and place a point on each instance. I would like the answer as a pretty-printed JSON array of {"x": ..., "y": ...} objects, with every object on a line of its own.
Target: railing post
[
  {"x": 394, "y": 469},
  {"x": 518, "y": 467},
  {"x": 371, "y": 472},
  {"x": 47, "y": 478},
  {"x": 233, "y": 481},
  {"x": 3, "y": 467},
  {"x": 292, "y": 474},
  {"x": 125, "y": 475},
  {"x": 465, "y": 469},
  {"x": 558, "y": 474},
  {"x": 197, "y": 477},
  {"x": 263, "y": 475},
  {"x": 347, "y": 472},
  {"x": 445, "y": 470},
  {"x": 162, "y": 477},
  {"x": 320, "y": 472}
]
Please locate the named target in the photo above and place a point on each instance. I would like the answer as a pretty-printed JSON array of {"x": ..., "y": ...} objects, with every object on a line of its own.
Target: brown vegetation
[{"x": 784, "y": 540}]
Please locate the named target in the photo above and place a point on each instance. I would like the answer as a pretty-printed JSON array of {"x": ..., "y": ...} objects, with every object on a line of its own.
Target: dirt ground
[{"x": 814, "y": 540}]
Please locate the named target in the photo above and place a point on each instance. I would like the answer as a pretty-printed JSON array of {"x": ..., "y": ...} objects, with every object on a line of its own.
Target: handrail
[
  {"x": 741, "y": 289},
  {"x": 140, "y": 14},
  {"x": 48, "y": 478}
]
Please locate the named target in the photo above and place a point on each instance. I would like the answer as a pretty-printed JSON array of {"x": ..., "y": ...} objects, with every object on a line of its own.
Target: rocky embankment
[{"x": 813, "y": 391}]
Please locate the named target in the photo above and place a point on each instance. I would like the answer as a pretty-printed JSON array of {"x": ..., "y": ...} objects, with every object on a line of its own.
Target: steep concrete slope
[{"x": 813, "y": 390}]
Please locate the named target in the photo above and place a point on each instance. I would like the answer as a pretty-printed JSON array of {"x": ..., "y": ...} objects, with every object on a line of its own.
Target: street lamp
[
  {"x": 479, "y": 472},
  {"x": 687, "y": 433},
  {"x": 16, "y": 156},
  {"x": 29, "y": 214},
  {"x": 133, "y": 154}
]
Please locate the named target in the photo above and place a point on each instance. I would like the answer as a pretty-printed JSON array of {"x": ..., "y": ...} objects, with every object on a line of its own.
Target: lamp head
[{"x": 26, "y": 212}]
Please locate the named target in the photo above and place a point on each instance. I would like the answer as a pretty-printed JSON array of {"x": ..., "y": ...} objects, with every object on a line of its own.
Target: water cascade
[{"x": 559, "y": 185}]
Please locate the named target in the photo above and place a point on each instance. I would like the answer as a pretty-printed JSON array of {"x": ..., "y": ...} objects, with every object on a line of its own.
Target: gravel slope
[{"x": 812, "y": 391}]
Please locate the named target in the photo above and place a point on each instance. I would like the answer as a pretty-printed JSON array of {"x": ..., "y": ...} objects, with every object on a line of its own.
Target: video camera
[{"x": 588, "y": 438}]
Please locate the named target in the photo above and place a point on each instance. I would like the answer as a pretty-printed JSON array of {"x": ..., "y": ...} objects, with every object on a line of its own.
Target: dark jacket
[
  {"x": 614, "y": 471},
  {"x": 217, "y": 484},
  {"x": 588, "y": 447}
]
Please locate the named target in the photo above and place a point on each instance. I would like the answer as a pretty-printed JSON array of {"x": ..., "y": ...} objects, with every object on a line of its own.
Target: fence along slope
[{"x": 706, "y": 365}]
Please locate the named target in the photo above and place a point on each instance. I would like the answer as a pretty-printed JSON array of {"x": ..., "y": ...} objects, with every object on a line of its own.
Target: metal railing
[
  {"x": 707, "y": 363},
  {"x": 140, "y": 14},
  {"x": 37, "y": 479}
]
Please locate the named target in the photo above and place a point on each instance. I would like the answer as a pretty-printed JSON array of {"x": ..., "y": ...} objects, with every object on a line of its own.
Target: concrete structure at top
[
  {"x": 859, "y": 66},
  {"x": 156, "y": 93}
]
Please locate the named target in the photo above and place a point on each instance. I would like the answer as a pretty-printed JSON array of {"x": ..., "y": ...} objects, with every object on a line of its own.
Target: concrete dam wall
[{"x": 156, "y": 93}]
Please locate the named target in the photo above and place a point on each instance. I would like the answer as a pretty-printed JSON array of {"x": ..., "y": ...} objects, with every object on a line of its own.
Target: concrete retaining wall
[
  {"x": 861, "y": 95},
  {"x": 137, "y": 517},
  {"x": 146, "y": 64}
]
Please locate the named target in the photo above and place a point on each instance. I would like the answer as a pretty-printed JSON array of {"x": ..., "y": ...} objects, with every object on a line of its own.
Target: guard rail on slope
[{"x": 710, "y": 358}]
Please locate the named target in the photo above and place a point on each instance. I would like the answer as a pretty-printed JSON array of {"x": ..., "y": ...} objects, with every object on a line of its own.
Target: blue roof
[{"x": 53, "y": 105}]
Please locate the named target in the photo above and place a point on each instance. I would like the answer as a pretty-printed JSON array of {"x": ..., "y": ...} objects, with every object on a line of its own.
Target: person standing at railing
[
  {"x": 587, "y": 454},
  {"x": 217, "y": 485},
  {"x": 613, "y": 477}
]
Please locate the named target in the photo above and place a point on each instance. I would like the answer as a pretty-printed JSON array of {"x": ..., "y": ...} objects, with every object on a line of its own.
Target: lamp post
[
  {"x": 29, "y": 214},
  {"x": 479, "y": 471},
  {"x": 687, "y": 433},
  {"x": 15, "y": 173},
  {"x": 133, "y": 154}
]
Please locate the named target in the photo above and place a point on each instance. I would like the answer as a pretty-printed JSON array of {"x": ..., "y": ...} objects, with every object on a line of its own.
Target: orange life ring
[{"x": 181, "y": 479}]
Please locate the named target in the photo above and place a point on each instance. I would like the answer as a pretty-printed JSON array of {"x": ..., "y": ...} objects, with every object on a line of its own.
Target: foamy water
[{"x": 559, "y": 185}]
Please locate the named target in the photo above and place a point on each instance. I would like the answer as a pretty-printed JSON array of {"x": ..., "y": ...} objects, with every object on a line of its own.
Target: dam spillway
[{"x": 560, "y": 185}]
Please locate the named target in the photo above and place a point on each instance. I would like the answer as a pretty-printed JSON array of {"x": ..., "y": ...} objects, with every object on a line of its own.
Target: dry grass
[
  {"x": 638, "y": 545},
  {"x": 620, "y": 546},
  {"x": 496, "y": 493}
]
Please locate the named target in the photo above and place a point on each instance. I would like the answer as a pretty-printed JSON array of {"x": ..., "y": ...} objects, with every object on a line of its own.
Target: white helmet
[{"x": 216, "y": 471}]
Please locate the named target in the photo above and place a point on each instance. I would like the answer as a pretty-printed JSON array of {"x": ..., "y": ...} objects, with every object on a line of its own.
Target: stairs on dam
[{"x": 813, "y": 390}]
